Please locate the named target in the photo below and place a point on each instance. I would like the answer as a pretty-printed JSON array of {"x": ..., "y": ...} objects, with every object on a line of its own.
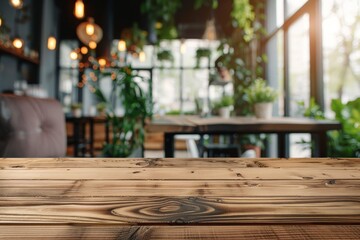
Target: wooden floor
[{"x": 179, "y": 198}]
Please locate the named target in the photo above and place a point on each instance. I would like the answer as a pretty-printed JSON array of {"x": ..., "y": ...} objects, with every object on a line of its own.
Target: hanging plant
[
  {"x": 165, "y": 55},
  {"x": 208, "y": 3},
  {"x": 135, "y": 38},
  {"x": 202, "y": 53},
  {"x": 161, "y": 13}
]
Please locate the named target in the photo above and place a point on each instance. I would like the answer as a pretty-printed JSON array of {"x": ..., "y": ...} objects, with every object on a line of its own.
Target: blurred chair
[{"x": 31, "y": 127}]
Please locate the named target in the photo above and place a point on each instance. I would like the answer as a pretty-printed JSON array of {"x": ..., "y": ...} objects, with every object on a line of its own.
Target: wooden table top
[
  {"x": 252, "y": 124},
  {"x": 180, "y": 198}
]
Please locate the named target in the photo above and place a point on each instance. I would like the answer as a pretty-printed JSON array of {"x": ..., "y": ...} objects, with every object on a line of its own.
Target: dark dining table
[
  {"x": 281, "y": 126},
  {"x": 162, "y": 199}
]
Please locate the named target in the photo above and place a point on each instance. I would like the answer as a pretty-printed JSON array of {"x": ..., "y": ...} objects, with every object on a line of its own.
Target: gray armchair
[{"x": 31, "y": 127}]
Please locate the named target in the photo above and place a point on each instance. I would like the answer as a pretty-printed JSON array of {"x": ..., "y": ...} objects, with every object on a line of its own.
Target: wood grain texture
[
  {"x": 270, "y": 232},
  {"x": 178, "y": 173},
  {"x": 179, "y": 198},
  {"x": 29, "y": 163},
  {"x": 180, "y": 210},
  {"x": 148, "y": 188}
]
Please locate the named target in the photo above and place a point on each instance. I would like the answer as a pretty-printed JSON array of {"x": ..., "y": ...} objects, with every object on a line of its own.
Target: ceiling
[{"x": 113, "y": 16}]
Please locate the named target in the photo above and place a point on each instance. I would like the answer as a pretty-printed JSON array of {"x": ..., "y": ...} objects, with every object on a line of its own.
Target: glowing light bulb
[
  {"x": 102, "y": 62},
  {"x": 18, "y": 43},
  {"x": 142, "y": 56},
  {"x": 1, "y": 21},
  {"x": 51, "y": 44},
  {"x": 84, "y": 50},
  {"x": 79, "y": 10},
  {"x": 73, "y": 55},
  {"x": 122, "y": 46},
  {"x": 90, "y": 29},
  {"x": 182, "y": 48},
  {"x": 92, "y": 45},
  {"x": 18, "y": 4}
]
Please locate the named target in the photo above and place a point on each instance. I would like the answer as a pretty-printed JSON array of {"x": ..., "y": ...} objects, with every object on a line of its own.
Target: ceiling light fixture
[
  {"x": 210, "y": 30},
  {"x": 122, "y": 46},
  {"x": 142, "y": 56},
  {"x": 17, "y": 4},
  {"x": 17, "y": 42},
  {"x": 79, "y": 10},
  {"x": 84, "y": 50},
  {"x": 89, "y": 32},
  {"x": 51, "y": 44},
  {"x": 102, "y": 62},
  {"x": 92, "y": 44},
  {"x": 90, "y": 28},
  {"x": 73, "y": 55}
]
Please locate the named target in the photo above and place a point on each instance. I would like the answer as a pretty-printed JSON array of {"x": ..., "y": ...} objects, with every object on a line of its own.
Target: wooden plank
[
  {"x": 286, "y": 232},
  {"x": 146, "y": 188},
  {"x": 28, "y": 163},
  {"x": 182, "y": 173},
  {"x": 180, "y": 210}
]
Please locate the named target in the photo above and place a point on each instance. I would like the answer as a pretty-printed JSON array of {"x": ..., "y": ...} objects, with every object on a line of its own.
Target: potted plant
[
  {"x": 165, "y": 56},
  {"x": 253, "y": 142},
  {"x": 261, "y": 97},
  {"x": 224, "y": 106},
  {"x": 101, "y": 108},
  {"x": 76, "y": 109},
  {"x": 202, "y": 53}
]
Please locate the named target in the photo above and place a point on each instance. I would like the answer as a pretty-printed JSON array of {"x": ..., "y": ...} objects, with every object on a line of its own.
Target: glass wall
[
  {"x": 288, "y": 68},
  {"x": 341, "y": 50},
  {"x": 299, "y": 64},
  {"x": 175, "y": 85}
]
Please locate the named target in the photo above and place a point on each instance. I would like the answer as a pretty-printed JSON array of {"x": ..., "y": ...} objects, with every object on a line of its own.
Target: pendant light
[
  {"x": 79, "y": 10},
  {"x": 142, "y": 56},
  {"x": 84, "y": 50},
  {"x": 122, "y": 46},
  {"x": 89, "y": 32},
  {"x": 74, "y": 55},
  {"x": 17, "y": 4},
  {"x": 51, "y": 44},
  {"x": 1, "y": 21},
  {"x": 92, "y": 45},
  {"x": 17, "y": 42},
  {"x": 90, "y": 28}
]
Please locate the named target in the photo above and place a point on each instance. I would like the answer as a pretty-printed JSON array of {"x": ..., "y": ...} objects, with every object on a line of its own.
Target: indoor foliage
[
  {"x": 128, "y": 130},
  {"x": 345, "y": 142}
]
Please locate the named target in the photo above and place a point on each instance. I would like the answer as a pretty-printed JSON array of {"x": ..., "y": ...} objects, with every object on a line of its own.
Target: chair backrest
[{"x": 31, "y": 127}]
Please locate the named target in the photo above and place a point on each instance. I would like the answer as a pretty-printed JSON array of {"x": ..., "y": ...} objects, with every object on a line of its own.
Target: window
[
  {"x": 299, "y": 64},
  {"x": 288, "y": 68},
  {"x": 341, "y": 50},
  {"x": 293, "y": 5},
  {"x": 68, "y": 74}
]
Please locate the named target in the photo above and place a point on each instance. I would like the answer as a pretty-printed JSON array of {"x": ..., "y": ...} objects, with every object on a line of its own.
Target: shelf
[{"x": 16, "y": 53}]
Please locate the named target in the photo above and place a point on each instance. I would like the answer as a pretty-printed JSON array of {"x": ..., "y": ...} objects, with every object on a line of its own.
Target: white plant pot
[
  {"x": 76, "y": 112},
  {"x": 263, "y": 110},
  {"x": 224, "y": 112}
]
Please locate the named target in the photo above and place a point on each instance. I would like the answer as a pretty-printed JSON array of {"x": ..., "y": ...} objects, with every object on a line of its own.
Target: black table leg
[
  {"x": 282, "y": 146},
  {"x": 169, "y": 145},
  {"x": 92, "y": 154},
  {"x": 320, "y": 140}
]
